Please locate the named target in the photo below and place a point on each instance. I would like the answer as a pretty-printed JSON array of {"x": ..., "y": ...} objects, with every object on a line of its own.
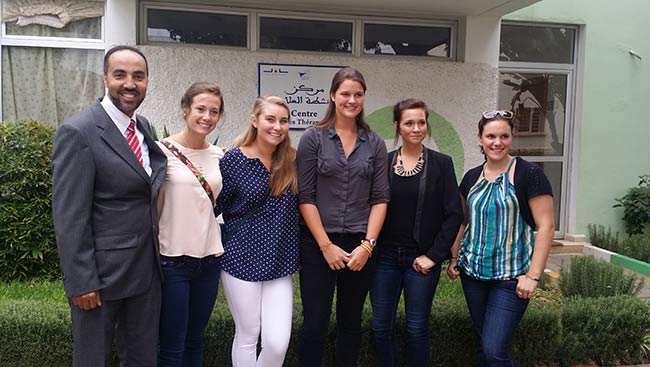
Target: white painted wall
[
  {"x": 480, "y": 40},
  {"x": 457, "y": 91},
  {"x": 120, "y": 22}
]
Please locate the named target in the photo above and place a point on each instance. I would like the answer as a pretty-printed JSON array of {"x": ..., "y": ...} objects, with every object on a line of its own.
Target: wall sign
[{"x": 304, "y": 87}]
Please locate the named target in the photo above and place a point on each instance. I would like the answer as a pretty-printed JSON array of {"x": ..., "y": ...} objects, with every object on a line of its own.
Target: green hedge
[
  {"x": 590, "y": 277},
  {"x": 636, "y": 246},
  {"x": 27, "y": 244},
  {"x": 580, "y": 331}
]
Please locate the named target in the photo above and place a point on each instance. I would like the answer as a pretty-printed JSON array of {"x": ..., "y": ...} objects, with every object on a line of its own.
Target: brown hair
[
  {"x": 342, "y": 75},
  {"x": 409, "y": 104},
  {"x": 283, "y": 168},
  {"x": 483, "y": 121},
  {"x": 200, "y": 88}
]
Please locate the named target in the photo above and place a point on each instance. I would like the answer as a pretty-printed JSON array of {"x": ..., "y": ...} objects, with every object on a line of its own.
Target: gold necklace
[{"x": 401, "y": 171}]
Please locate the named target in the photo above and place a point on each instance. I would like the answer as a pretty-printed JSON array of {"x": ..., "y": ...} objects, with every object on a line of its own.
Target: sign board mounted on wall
[{"x": 304, "y": 87}]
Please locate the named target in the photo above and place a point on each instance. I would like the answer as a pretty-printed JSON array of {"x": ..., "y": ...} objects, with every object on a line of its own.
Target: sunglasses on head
[{"x": 494, "y": 114}]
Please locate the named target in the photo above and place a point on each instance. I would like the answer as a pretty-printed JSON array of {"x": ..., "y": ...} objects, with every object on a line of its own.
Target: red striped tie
[{"x": 133, "y": 141}]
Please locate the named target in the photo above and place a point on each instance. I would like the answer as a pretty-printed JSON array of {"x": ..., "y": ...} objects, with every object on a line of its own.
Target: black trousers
[{"x": 317, "y": 285}]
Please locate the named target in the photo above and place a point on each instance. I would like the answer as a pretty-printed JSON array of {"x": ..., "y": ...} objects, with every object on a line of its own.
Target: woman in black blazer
[{"x": 423, "y": 218}]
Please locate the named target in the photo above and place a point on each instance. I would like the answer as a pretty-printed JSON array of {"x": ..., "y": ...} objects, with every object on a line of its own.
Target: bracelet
[
  {"x": 367, "y": 248},
  {"x": 531, "y": 278},
  {"x": 325, "y": 246},
  {"x": 367, "y": 245},
  {"x": 454, "y": 258}
]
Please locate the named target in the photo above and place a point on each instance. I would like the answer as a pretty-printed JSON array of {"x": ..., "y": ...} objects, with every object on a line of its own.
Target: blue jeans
[
  {"x": 395, "y": 272},
  {"x": 189, "y": 291},
  {"x": 496, "y": 311}
]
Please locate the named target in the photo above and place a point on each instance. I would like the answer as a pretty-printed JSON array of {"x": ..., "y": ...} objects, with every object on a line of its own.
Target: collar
[
  {"x": 119, "y": 118},
  {"x": 362, "y": 134}
]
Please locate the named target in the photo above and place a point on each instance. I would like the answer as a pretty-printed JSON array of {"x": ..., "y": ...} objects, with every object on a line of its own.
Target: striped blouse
[{"x": 497, "y": 243}]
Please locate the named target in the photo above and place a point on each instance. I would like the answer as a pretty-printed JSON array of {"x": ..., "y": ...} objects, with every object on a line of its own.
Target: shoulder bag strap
[{"x": 199, "y": 176}]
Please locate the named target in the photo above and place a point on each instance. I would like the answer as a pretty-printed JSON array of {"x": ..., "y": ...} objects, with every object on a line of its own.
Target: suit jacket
[
  {"x": 104, "y": 206},
  {"x": 438, "y": 213}
]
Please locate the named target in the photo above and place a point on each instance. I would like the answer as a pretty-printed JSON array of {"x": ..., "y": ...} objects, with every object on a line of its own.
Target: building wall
[
  {"x": 458, "y": 92},
  {"x": 613, "y": 126}
]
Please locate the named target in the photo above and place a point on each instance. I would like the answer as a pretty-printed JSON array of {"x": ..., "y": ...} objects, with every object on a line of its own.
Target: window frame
[
  {"x": 54, "y": 42},
  {"x": 452, "y": 25},
  {"x": 292, "y": 16},
  {"x": 49, "y": 42},
  {"x": 568, "y": 159},
  {"x": 576, "y": 38},
  {"x": 196, "y": 8},
  {"x": 255, "y": 12}
]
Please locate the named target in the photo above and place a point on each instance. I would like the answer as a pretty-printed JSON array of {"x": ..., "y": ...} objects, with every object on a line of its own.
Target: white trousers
[{"x": 265, "y": 307}]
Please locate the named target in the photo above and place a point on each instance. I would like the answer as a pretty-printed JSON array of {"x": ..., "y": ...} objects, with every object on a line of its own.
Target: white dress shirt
[{"x": 122, "y": 121}]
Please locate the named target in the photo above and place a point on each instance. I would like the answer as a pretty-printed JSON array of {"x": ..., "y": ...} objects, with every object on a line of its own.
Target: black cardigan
[
  {"x": 439, "y": 213},
  {"x": 530, "y": 181}
]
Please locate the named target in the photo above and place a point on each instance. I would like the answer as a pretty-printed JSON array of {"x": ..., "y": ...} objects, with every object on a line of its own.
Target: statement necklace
[{"x": 401, "y": 171}]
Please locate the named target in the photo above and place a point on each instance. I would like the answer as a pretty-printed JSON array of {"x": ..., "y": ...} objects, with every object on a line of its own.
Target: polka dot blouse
[{"x": 265, "y": 247}]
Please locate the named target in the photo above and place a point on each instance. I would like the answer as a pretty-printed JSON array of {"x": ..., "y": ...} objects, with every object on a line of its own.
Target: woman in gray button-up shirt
[{"x": 343, "y": 195}]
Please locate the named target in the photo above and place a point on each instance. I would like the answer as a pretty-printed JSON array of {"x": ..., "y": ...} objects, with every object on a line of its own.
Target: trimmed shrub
[
  {"x": 636, "y": 246},
  {"x": 601, "y": 238},
  {"x": 36, "y": 332},
  {"x": 589, "y": 277},
  {"x": 604, "y": 330},
  {"x": 539, "y": 337},
  {"x": 27, "y": 247}
]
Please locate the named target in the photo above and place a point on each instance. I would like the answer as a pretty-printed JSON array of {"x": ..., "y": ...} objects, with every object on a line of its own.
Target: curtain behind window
[{"x": 49, "y": 84}]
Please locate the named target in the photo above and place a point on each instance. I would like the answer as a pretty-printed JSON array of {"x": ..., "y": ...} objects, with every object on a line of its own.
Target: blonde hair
[{"x": 283, "y": 166}]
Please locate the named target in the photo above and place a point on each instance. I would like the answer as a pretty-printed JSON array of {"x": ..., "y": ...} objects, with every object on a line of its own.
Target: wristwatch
[{"x": 371, "y": 241}]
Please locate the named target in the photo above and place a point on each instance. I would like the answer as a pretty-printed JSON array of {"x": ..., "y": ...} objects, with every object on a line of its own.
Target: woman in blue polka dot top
[{"x": 259, "y": 205}]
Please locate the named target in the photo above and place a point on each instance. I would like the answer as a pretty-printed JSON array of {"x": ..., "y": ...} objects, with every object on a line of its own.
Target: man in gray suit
[{"x": 107, "y": 170}]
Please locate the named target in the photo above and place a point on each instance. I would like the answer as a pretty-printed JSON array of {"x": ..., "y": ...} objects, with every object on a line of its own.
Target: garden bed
[{"x": 35, "y": 329}]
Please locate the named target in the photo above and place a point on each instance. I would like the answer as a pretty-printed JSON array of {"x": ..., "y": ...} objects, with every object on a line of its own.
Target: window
[
  {"x": 526, "y": 43},
  {"x": 90, "y": 28},
  {"x": 538, "y": 101},
  {"x": 536, "y": 82},
  {"x": 48, "y": 73},
  {"x": 195, "y": 27},
  {"x": 171, "y": 23},
  {"x": 305, "y": 35},
  {"x": 49, "y": 84},
  {"x": 393, "y": 39}
]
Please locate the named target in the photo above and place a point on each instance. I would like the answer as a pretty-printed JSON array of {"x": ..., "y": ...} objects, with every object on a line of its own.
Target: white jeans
[{"x": 264, "y": 305}]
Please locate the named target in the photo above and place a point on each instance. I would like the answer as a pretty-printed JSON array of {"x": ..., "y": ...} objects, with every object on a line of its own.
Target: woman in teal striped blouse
[{"x": 497, "y": 254}]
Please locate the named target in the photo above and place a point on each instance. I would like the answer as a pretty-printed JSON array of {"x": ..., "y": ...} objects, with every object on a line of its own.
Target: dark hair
[
  {"x": 122, "y": 48},
  {"x": 342, "y": 75},
  {"x": 409, "y": 104},
  {"x": 200, "y": 88},
  {"x": 483, "y": 121}
]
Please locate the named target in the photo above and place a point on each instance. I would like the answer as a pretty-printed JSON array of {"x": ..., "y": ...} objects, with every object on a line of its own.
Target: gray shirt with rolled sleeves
[{"x": 343, "y": 189}]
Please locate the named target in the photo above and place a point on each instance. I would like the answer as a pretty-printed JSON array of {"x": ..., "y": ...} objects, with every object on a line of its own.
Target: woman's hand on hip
[
  {"x": 422, "y": 264},
  {"x": 358, "y": 259},
  {"x": 335, "y": 256}
]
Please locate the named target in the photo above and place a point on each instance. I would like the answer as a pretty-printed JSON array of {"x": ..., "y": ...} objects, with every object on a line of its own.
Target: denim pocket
[{"x": 510, "y": 283}]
